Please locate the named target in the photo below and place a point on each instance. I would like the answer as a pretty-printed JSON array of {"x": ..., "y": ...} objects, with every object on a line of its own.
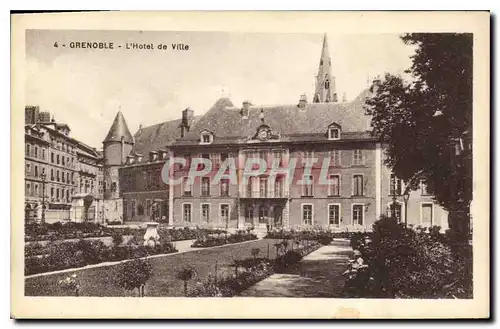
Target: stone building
[
  {"x": 323, "y": 167},
  {"x": 59, "y": 169}
]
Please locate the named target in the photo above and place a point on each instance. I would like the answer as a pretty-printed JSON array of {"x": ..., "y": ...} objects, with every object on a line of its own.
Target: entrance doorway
[{"x": 278, "y": 216}]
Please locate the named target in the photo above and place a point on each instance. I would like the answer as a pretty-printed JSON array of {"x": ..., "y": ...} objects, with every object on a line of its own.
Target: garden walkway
[{"x": 319, "y": 275}]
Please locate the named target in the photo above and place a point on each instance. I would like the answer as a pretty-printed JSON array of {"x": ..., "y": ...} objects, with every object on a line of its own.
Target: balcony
[{"x": 281, "y": 194}]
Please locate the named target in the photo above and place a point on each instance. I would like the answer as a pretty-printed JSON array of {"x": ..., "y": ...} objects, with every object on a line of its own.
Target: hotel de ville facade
[{"x": 360, "y": 188}]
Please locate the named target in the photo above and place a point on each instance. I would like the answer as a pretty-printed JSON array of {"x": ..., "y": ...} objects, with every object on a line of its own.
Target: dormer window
[
  {"x": 206, "y": 137},
  {"x": 333, "y": 133}
]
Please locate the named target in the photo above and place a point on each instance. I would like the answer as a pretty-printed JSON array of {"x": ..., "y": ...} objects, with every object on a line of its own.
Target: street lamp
[
  {"x": 43, "y": 195},
  {"x": 406, "y": 196}
]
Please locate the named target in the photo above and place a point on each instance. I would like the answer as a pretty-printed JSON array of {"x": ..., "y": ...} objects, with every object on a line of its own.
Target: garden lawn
[{"x": 100, "y": 281}]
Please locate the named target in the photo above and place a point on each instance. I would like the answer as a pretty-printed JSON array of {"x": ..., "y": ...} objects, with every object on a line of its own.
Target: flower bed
[
  {"x": 58, "y": 231},
  {"x": 318, "y": 234},
  {"x": 59, "y": 256},
  {"x": 221, "y": 239},
  {"x": 394, "y": 262},
  {"x": 249, "y": 271}
]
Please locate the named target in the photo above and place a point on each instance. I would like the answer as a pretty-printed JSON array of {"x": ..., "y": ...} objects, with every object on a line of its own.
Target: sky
[{"x": 85, "y": 88}]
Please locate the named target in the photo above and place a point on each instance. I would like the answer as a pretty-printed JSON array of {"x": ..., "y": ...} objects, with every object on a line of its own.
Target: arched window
[{"x": 327, "y": 84}]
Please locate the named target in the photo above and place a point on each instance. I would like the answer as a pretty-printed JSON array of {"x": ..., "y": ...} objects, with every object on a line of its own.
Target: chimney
[
  {"x": 153, "y": 156},
  {"x": 138, "y": 157},
  {"x": 245, "y": 110},
  {"x": 187, "y": 116},
  {"x": 31, "y": 114},
  {"x": 302, "y": 101},
  {"x": 344, "y": 97},
  {"x": 335, "y": 98},
  {"x": 130, "y": 159}
]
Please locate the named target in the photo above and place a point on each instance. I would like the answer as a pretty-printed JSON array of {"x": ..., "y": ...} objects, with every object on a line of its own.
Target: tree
[
  {"x": 185, "y": 275},
  {"x": 134, "y": 275},
  {"x": 426, "y": 123}
]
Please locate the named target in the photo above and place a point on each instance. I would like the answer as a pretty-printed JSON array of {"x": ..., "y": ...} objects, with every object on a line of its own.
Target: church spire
[{"x": 325, "y": 82}]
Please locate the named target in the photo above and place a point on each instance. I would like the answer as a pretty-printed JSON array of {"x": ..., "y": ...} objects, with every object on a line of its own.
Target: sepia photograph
[{"x": 247, "y": 165}]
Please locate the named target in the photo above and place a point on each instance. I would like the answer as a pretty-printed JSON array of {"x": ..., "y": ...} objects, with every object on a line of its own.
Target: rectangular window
[
  {"x": 308, "y": 155},
  {"x": 357, "y": 214},
  {"x": 28, "y": 189},
  {"x": 148, "y": 207},
  {"x": 186, "y": 191},
  {"x": 334, "y": 188},
  {"x": 36, "y": 152},
  {"x": 427, "y": 214},
  {"x": 250, "y": 185},
  {"x": 307, "y": 188},
  {"x": 36, "y": 189},
  {"x": 224, "y": 187},
  {"x": 333, "y": 133},
  {"x": 205, "y": 138},
  {"x": 132, "y": 208},
  {"x": 205, "y": 186},
  {"x": 216, "y": 160},
  {"x": 57, "y": 159},
  {"x": 62, "y": 176},
  {"x": 335, "y": 158},
  {"x": 52, "y": 157},
  {"x": 334, "y": 214},
  {"x": 28, "y": 169},
  {"x": 36, "y": 171},
  {"x": 357, "y": 158},
  {"x": 43, "y": 154},
  {"x": 357, "y": 185},
  {"x": 395, "y": 211},
  {"x": 278, "y": 187},
  {"x": 263, "y": 187},
  {"x": 28, "y": 150},
  {"x": 62, "y": 160},
  {"x": 395, "y": 185},
  {"x": 57, "y": 175},
  {"x": 205, "y": 212},
  {"x": 307, "y": 214},
  {"x": 186, "y": 212},
  {"x": 278, "y": 157},
  {"x": 224, "y": 213}
]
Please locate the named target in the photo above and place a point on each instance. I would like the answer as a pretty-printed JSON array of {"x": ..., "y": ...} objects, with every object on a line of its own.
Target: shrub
[
  {"x": 325, "y": 240},
  {"x": 185, "y": 274},
  {"x": 117, "y": 238},
  {"x": 134, "y": 275},
  {"x": 404, "y": 263}
]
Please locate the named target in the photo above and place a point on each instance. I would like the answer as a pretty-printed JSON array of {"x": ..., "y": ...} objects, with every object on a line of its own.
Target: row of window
[
  {"x": 34, "y": 151},
  {"x": 56, "y": 194},
  {"x": 62, "y": 160},
  {"x": 205, "y": 187},
  {"x": 187, "y": 212},
  {"x": 62, "y": 146},
  {"x": 358, "y": 157}
]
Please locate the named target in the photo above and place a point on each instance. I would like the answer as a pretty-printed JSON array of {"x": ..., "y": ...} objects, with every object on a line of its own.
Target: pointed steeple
[
  {"x": 119, "y": 130},
  {"x": 325, "y": 83}
]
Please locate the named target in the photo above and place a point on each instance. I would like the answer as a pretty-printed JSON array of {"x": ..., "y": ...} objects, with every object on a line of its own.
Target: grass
[{"x": 99, "y": 282}]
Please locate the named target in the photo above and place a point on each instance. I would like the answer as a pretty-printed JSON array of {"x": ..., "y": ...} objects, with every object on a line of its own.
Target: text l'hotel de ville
[{"x": 128, "y": 45}]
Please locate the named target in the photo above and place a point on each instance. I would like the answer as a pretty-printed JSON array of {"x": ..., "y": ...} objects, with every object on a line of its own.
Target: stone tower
[
  {"x": 116, "y": 146},
  {"x": 325, "y": 83}
]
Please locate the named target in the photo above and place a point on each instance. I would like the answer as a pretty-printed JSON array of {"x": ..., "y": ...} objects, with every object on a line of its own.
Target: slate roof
[
  {"x": 118, "y": 130},
  {"x": 157, "y": 137},
  {"x": 225, "y": 121},
  {"x": 291, "y": 122}
]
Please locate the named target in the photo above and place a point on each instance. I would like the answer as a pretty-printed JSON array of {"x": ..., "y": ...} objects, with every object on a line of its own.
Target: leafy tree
[
  {"x": 426, "y": 122},
  {"x": 134, "y": 275}
]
